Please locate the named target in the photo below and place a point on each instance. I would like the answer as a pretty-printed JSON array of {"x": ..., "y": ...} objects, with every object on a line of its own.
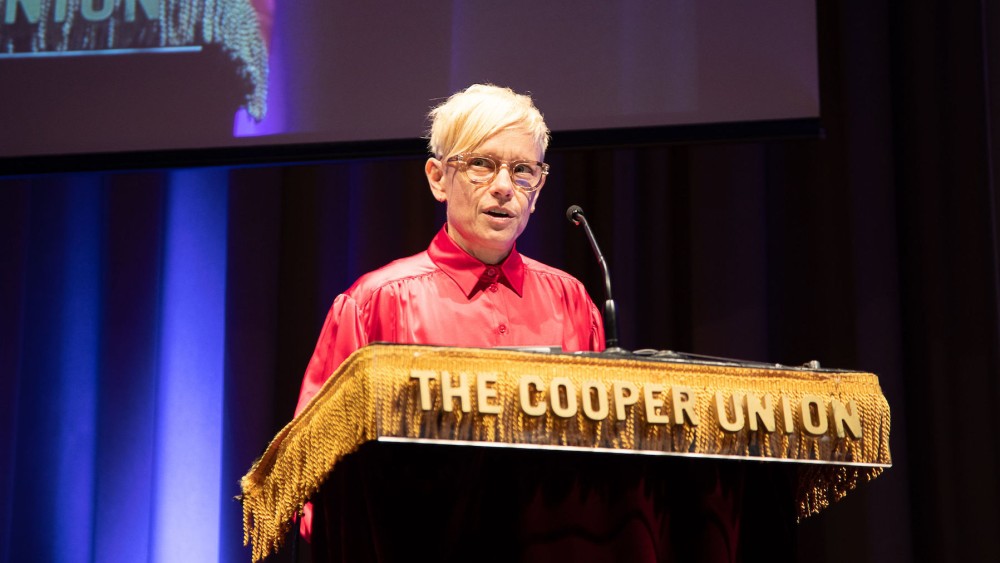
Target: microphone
[{"x": 575, "y": 216}]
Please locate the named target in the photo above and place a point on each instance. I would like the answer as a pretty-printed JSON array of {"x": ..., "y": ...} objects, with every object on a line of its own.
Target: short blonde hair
[{"x": 470, "y": 117}]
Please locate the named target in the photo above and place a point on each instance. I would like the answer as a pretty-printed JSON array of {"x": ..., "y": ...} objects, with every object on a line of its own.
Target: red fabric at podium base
[{"x": 406, "y": 502}]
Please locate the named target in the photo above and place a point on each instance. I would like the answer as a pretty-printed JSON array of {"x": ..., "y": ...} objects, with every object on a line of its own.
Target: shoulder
[
  {"x": 538, "y": 271},
  {"x": 412, "y": 267}
]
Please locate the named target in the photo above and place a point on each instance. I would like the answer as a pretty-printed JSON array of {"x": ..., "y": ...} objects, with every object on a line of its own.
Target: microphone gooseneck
[{"x": 575, "y": 216}]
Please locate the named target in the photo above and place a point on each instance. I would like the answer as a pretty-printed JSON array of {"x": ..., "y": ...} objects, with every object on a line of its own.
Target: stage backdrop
[{"x": 155, "y": 325}]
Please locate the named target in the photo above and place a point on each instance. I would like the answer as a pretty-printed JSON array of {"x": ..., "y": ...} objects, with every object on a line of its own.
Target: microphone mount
[{"x": 576, "y": 216}]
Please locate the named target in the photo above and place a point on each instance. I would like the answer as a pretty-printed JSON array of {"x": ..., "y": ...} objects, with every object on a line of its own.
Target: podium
[{"x": 486, "y": 454}]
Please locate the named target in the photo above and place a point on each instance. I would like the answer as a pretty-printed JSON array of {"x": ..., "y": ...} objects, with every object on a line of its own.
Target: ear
[{"x": 434, "y": 169}]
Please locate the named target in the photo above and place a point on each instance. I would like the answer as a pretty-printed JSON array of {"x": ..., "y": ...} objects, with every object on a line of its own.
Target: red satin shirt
[{"x": 446, "y": 297}]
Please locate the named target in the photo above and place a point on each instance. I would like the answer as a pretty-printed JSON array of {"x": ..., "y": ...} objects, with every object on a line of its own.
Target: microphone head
[{"x": 572, "y": 212}]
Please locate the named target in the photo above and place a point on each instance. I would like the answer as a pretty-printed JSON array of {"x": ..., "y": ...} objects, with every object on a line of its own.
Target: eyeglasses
[{"x": 481, "y": 169}]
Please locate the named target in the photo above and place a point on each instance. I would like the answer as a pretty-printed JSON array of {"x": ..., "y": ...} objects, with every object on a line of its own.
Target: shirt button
[
  {"x": 490, "y": 272},
  {"x": 503, "y": 329},
  {"x": 493, "y": 287}
]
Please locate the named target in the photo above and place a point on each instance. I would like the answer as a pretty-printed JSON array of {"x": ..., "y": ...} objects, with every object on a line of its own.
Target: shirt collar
[{"x": 470, "y": 274}]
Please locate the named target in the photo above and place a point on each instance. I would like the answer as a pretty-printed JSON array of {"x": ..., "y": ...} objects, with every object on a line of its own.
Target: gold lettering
[
  {"x": 425, "y": 376},
  {"x": 450, "y": 392},
  {"x": 528, "y": 404},
  {"x": 683, "y": 402},
  {"x": 721, "y": 406},
  {"x": 654, "y": 409},
  {"x": 623, "y": 399},
  {"x": 760, "y": 411},
  {"x": 847, "y": 418},
  {"x": 786, "y": 414},
  {"x": 813, "y": 415},
  {"x": 595, "y": 390},
  {"x": 485, "y": 391},
  {"x": 559, "y": 388}
]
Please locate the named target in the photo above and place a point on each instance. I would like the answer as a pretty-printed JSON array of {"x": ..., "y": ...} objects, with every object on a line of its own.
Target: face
[{"x": 485, "y": 220}]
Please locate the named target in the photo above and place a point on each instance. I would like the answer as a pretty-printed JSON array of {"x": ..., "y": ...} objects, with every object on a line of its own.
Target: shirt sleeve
[
  {"x": 342, "y": 334},
  {"x": 596, "y": 326}
]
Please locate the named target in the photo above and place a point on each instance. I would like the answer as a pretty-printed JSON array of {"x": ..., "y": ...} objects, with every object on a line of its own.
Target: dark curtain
[{"x": 155, "y": 325}]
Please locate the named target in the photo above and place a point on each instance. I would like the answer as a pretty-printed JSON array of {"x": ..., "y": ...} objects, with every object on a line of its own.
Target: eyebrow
[{"x": 497, "y": 157}]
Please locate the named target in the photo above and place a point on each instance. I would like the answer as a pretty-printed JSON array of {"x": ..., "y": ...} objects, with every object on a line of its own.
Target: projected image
[
  {"x": 119, "y": 75},
  {"x": 111, "y": 76}
]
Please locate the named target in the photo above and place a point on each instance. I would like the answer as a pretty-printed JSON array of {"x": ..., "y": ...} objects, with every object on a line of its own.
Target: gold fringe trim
[
  {"x": 339, "y": 419},
  {"x": 373, "y": 394}
]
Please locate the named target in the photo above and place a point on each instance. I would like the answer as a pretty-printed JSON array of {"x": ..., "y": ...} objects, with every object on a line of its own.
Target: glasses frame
[{"x": 498, "y": 164}]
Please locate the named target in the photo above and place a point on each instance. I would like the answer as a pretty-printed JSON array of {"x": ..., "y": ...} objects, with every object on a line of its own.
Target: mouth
[{"x": 499, "y": 213}]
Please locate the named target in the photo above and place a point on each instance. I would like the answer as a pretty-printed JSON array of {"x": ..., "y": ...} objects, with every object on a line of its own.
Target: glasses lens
[
  {"x": 526, "y": 174},
  {"x": 480, "y": 168}
]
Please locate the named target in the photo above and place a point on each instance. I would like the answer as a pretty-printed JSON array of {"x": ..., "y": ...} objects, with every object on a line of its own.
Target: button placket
[{"x": 491, "y": 277}]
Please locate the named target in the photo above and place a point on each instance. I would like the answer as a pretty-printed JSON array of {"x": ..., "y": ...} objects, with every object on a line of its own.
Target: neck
[{"x": 487, "y": 256}]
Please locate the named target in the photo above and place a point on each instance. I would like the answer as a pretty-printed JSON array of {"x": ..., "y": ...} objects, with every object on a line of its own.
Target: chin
[
  {"x": 508, "y": 235},
  {"x": 496, "y": 240}
]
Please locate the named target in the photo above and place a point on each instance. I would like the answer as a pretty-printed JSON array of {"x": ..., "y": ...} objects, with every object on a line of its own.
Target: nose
[{"x": 503, "y": 184}]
